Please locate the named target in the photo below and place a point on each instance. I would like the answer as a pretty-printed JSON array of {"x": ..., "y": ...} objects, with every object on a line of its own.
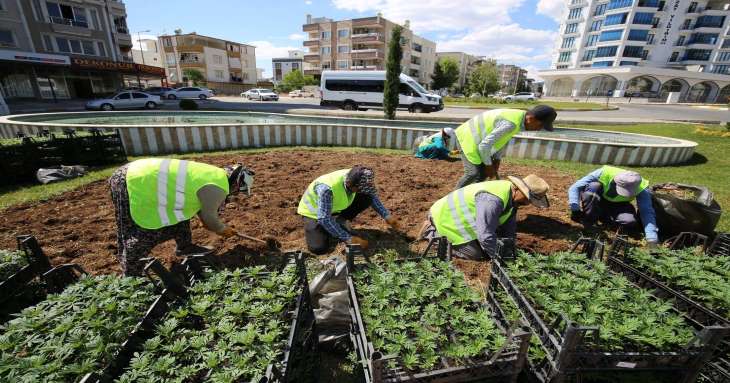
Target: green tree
[
  {"x": 445, "y": 74},
  {"x": 484, "y": 79},
  {"x": 194, "y": 75},
  {"x": 292, "y": 80},
  {"x": 392, "y": 73}
]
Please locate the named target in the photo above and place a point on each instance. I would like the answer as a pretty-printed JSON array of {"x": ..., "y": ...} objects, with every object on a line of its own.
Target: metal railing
[{"x": 71, "y": 22}]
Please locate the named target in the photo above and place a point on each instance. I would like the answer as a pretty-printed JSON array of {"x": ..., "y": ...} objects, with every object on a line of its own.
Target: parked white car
[
  {"x": 125, "y": 100},
  {"x": 300, "y": 93},
  {"x": 260, "y": 94},
  {"x": 520, "y": 96},
  {"x": 188, "y": 92}
]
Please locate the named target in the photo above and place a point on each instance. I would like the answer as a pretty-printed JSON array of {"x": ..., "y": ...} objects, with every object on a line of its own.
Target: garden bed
[
  {"x": 590, "y": 320},
  {"x": 242, "y": 324},
  {"x": 418, "y": 320}
]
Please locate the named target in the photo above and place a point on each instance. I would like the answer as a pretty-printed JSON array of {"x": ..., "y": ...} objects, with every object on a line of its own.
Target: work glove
[
  {"x": 576, "y": 216},
  {"x": 393, "y": 222},
  {"x": 359, "y": 241},
  {"x": 227, "y": 232}
]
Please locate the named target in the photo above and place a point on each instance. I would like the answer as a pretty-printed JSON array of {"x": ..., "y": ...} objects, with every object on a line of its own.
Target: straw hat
[{"x": 534, "y": 187}]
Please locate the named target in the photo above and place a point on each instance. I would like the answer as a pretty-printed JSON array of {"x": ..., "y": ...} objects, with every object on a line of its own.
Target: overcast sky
[{"x": 519, "y": 32}]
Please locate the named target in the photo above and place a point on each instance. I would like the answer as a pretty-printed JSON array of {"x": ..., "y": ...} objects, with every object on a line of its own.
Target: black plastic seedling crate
[
  {"x": 718, "y": 368},
  {"x": 15, "y": 292},
  {"x": 504, "y": 366},
  {"x": 300, "y": 358},
  {"x": 569, "y": 353}
]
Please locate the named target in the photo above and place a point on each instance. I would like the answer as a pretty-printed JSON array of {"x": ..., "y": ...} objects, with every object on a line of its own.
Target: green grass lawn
[
  {"x": 490, "y": 103},
  {"x": 709, "y": 166}
]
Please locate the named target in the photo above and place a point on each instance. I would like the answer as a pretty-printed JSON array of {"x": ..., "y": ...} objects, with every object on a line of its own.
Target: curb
[{"x": 612, "y": 108}]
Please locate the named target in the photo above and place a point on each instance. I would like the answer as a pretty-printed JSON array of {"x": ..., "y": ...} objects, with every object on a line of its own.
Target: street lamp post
[{"x": 139, "y": 41}]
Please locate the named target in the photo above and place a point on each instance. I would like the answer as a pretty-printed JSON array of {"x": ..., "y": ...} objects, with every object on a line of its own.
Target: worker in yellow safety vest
[
  {"x": 484, "y": 138},
  {"x": 474, "y": 217},
  {"x": 155, "y": 198},
  {"x": 333, "y": 200}
]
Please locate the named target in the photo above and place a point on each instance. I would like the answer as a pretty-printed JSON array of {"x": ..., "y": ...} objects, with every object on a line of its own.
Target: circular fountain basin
[{"x": 160, "y": 132}]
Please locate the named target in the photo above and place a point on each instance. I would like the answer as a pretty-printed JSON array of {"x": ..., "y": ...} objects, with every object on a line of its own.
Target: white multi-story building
[
  {"x": 645, "y": 48},
  {"x": 284, "y": 65}
]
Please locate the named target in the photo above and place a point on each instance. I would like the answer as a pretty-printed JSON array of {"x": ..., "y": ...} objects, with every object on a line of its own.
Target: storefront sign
[
  {"x": 668, "y": 29},
  {"x": 131, "y": 68},
  {"x": 38, "y": 58}
]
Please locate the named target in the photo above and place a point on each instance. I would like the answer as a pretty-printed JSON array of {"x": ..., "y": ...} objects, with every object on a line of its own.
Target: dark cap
[{"x": 546, "y": 114}]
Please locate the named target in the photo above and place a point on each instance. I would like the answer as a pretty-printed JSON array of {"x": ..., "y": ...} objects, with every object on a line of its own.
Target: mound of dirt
[{"x": 78, "y": 226}]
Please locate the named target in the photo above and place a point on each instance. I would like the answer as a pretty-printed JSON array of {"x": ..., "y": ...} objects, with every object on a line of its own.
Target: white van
[{"x": 353, "y": 90}]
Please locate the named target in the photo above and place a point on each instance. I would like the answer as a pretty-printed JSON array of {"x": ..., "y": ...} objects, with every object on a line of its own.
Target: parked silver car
[
  {"x": 188, "y": 92},
  {"x": 125, "y": 100},
  {"x": 520, "y": 96},
  {"x": 260, "y": 94}
]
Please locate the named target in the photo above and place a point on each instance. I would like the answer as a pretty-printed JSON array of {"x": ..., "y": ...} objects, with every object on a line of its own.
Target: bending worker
[
  {"x": 473, "y": 217},
  {"x": 155, "y": 198},
  {"x": 484, "y": 138},
  {"x": 334, "y": 199},
  {"x": 435, "y": 146},
  {"x": 605, "y": 195}
]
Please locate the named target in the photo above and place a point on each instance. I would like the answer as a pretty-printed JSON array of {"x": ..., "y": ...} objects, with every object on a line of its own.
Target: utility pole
[{"x": 139, "y": 41}]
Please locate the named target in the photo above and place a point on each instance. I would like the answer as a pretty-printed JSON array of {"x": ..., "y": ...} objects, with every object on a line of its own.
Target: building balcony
[
  {"x": 368, "y": 38},
  {"x": 61, "y": 25},
  {"x": 701, "y": 45},
  {"x": 192, "y": 63},
  {"x": 708, "y": 28},
  {"x": 124, "y": 39},
  {"x": 578, "y": 4},
  {"x": 367, "y": 67},
  {"x": 310, "y": 28},
  {"x": 370, "y": 22},
  {"x": 363, "y": 54},
  {"x": 234, "y": 54},
  {"x": 191, "y": 48},
  {"x": 311, "y": 43},
  {"x": 311, "y": 57}
]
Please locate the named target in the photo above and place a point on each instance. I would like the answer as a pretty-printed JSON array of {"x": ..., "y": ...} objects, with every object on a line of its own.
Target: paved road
[{"x": 626, "y": 112}]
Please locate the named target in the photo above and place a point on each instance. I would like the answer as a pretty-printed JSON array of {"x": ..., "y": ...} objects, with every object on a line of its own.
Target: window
[
  {"x": 6, "y": 38},
  {"x": 686, "y": 25},
  {"x": 619, "y": 18},
  {"x": 649, "y": 3},
  {"x": 561, "y": 67},
  {"x": 726, "y": 43},
  {"x": 722, "y": 69},
  {"x": 723, "y": 56},
  {"x": 568, "y": 42},
  {"x": 66, "y": 14},
  {"x": 218, "y": 59},
  {"x": 638, "y": 35},
  {"x": 680, "y": 41},
  {"x": 95, "y": 19},
  {"x": 596, "y": 25},
  {"x": 592, "y": 40},
  {"x": 565, "y": 57},
  {"x": 218, "y": 74},
  {"x": 325, "y": 35},
  {"x": 88, "y": 47},
  {"x": 600, "y": 9},
  {"x": 167, "y": 41},
  {"x": 571, "y": 28},
  {"x": 673, "y": 57},
  {"x": 697, "y": 54},
  {"x": 644, "y": 18},
  {"x": 710, "y": 21},
  {"x": 170, "y": 58},
  {"x": 326, "y": 65},
  {"x": 371, "y": 86},
  {"x": 342, "y": 64},
  {"x": 616, "y": 4},
  {"x": 628, "y": 63},
  {"x": 650, "y": 38},
  {"x": 342, "y": 33},
  {"x": 588, "y": 55},
  {"x": 692, "y": 7},
  {"x": 2, "y": 7},
  {"x": 704, "y": 38},
  {"x": 602, "y": 64},
  {"x": 62, "y": 45},
  {"x": 606, "y": 51},
  {"x": 343, "y": 48},
  {"x": 138, "y": 95},
  {"x": 575, "y": 13},
  {"x": 611, "y": 35},
  {"x": 633, "y": 51},
  {"x": 325, "y": 50},
  {"x": 75, "y": 46},
  {"x": 81, "y": 47},
  {"x": 122, "y": 96},
  {"x": 48, "y": 43}
]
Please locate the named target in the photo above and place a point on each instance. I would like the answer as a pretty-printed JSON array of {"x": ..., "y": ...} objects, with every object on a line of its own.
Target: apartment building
[
  {"x": 646, "y": 48},
  {"x": 284, "y": 65},
  {"x": 58, "y": 49},
  {"x": 466, "y": 62},
  {"x": 361, "y": 44},
  {"x": 227, "y": 66},
  {"x": 511, "y": 77},
  {"x": 148, "y": 52}
]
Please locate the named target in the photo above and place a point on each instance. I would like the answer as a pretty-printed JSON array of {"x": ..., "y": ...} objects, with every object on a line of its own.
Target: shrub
[{"x": 188, "y": 105}]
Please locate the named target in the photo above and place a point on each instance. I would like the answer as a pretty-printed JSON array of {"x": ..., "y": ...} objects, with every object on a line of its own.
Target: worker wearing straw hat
[{"x": 473, "y": 217}]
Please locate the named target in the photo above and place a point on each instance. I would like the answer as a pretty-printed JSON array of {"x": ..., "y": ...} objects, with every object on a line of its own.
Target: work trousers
[
  {"x": 134, "y": 242},
  {"x": 472, "y": 173},
  {"x": 319, "y": 240},
  {"x": 596, "y": 208}
]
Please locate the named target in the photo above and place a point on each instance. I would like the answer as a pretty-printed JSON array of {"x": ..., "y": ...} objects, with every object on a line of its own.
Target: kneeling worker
[
  {"x": 342, "y": 194},
  {"x": 484, "y": 138},
  {"x": 472, "y": 217},
  {"x": 435, "y": 146},
  {"x": 605, "y": 195},
  {"x": 155, "y": 198}
]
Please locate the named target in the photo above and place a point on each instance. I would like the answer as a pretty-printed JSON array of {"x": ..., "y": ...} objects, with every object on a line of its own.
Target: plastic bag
[
  {"x": 59, "y": 173},
  {"x": 331, "y": 302},
  {"x": 681, "y": 207}
]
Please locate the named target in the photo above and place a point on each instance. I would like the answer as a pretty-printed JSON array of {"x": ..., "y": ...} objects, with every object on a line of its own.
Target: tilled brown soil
[{"x": 79, "y": 226}]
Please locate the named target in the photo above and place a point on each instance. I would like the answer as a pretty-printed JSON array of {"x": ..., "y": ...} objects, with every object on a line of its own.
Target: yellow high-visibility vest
[
  {"x": 341, "y": 199},
  {"x": 607, "y": 175},
  {"x": 472, "y": 132}
]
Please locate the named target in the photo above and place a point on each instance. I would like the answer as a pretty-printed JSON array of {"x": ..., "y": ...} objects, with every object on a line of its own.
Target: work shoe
[{"x": 193, "y": 249}]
